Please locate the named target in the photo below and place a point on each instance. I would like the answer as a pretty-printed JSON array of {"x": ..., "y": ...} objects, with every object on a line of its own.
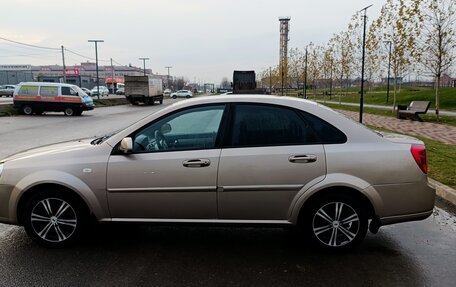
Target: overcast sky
[{"x": 203, "y": 40}]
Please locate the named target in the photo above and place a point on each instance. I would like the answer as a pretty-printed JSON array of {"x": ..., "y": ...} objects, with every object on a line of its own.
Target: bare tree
[
  {"x": 400, "y": 22},
  {"x": 439, "y": 40}
]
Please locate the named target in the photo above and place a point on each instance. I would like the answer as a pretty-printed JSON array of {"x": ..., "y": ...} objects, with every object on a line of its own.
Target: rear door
[{"x": 271, "y": 153}]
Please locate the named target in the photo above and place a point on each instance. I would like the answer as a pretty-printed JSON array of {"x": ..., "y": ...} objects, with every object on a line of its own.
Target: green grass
[
  {"x": 377, "y": 96},
  {"x": 8, "y": 111},
  {"x": 431, "y": 118},
  {"x": 441, "y": 159}
]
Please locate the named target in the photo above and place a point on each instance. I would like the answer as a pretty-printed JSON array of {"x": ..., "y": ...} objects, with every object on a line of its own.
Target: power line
[
  {"x": 29, "y": 45},
  {"x": 83, "y": 56}
]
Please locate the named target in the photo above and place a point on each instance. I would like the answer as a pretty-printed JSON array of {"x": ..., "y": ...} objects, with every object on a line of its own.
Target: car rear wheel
[
  {"x": 174, "y": 97},
  {"x": 54, "y": 219},
  {"x": 187, "y": 97},
  {"x": 336, "y": 223},
  {"x": 27, "y": 110},
  {"x": 69, "y": 112}
]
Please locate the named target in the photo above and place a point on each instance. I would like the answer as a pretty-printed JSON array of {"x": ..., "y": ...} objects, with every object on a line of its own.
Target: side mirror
[
  {"x": 166, "y": 128},
  {"x": 126, "y": 145}
]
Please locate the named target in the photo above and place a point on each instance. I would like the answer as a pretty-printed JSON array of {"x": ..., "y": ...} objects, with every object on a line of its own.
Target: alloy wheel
[
  {"x": 53, "y": 220},
  {"x": 336, "y": 224}
]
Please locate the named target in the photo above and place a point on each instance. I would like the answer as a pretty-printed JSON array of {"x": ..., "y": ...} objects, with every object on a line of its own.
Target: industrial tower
[{"x": 283, "y": 62}]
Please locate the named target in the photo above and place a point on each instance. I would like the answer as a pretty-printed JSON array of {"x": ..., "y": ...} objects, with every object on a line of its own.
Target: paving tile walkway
[{"x": 443, "y": 133}]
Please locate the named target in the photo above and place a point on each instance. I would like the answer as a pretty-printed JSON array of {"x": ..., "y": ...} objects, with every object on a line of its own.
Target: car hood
[{"x": 50, "y": 150}]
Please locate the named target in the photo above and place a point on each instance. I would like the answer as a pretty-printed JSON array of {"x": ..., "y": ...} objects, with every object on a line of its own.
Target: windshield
[{"x": 80, "y": 91}]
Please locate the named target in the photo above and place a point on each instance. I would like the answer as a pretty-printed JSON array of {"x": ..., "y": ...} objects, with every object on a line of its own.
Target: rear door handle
[
  {"x": 196, "y": 163},
  {"x": 302, "y": 158}
]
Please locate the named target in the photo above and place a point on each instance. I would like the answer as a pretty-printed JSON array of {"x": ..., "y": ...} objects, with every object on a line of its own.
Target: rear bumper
[
  {"x": 404, "y": 202},
  {"x": 405, "y": 217}
]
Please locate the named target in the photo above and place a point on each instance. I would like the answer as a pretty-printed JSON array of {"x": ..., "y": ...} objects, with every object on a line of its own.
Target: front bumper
[{"x": 5, "y": 195}]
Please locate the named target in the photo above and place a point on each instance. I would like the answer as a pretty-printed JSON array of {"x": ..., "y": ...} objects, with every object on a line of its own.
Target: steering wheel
[{"x": 160, "y": 139}]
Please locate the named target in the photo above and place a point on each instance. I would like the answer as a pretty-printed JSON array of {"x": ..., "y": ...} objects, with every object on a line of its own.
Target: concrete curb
[{"x": 443, "y": 191}]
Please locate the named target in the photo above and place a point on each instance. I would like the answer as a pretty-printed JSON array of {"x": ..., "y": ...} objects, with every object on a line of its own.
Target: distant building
[{"x": 82, "y": 75}]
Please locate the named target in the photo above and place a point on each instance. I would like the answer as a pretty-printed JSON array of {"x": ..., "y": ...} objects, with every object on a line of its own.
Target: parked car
[
  {"x": 7, "y": 90},
  {"x": 87, "y": 91},
  {"x": 167, "y": 92},
  {"x": 103, "y": 91},
  {"x": 120, "y": 91},
  {"x": 182, "y": 94},
  {"x": 38, "y": 97},
  {"x": 237, "y": 159}
]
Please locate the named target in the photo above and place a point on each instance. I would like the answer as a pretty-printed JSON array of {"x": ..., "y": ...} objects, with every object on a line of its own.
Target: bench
[{"x": 413, "y": 110}]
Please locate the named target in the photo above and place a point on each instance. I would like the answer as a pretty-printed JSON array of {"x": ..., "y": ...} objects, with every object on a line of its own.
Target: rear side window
[
  {"x": 49, "y": 91},
  {"x": 267, "y": 125},
  {"x": 28, "y": 90},
  {"x": 326, "y": 133}
]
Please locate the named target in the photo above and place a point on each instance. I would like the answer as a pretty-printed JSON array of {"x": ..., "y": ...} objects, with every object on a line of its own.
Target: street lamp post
[
  {"x": 361, "y": 99},
  {"x": 305, "y": 72},
  {"x": 96, "y": 63},
  {"x": 167, "y": 79},
  {"x": 144, "y": 64},
  {"x": 389, "y": 68}
]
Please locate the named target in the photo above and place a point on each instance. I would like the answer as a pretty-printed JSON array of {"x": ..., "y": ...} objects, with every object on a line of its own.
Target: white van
[{"x": 38, "y": 97}]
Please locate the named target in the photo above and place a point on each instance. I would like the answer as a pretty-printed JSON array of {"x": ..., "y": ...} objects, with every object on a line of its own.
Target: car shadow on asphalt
[{"x": 205, "y": 255}]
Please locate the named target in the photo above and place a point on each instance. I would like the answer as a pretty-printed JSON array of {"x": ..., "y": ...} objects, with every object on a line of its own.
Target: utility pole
[
  {"x": 112, "y": 77},
  {"x": 144, "y": 64},
  {"x": 305, "y": 75},
  {"x": 64, "y": 67},
  {"x": 389, "y": 68},
  {"x": 270, "y": 81},
  {"x": 96, "y": 63},
  {"x": 361, "y": 101},
  {"x": 167, "y": 79}
]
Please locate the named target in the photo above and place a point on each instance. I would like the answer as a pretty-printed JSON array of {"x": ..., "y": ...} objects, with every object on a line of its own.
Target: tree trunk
[
  {"x": 394, "y": 93},
  {"x": 437, "y": 97}
]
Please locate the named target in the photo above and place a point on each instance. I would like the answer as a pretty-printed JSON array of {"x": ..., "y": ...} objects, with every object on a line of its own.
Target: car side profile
[
  {"x": 104, "y": 91},
  {"x": 237, "y": 159},
  {"x": 39, "y": 97},
  {"x": 7, "y": 90},
  {"x": 182, "y": 94}
]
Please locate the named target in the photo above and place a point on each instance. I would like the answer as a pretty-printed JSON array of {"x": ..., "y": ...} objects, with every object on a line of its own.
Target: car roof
[{"x": 45, "y": 84}]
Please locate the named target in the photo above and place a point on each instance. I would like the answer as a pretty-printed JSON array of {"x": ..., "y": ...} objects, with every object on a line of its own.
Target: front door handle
[
  {"x": 302, "y": 158},
  {"x": 196, "y": 163}
]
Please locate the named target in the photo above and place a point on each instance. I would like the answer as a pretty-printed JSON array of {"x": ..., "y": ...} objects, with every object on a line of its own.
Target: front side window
[
  {"x": 195, "y": 128},
  {"x": 68, "y": 91}
]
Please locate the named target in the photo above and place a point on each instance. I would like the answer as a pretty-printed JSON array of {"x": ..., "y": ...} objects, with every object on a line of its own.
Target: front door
[{"x": 172, "y": 171}]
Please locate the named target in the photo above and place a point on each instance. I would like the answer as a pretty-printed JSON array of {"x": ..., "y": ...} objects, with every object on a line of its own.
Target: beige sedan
[{"x": 266, "y": 160}]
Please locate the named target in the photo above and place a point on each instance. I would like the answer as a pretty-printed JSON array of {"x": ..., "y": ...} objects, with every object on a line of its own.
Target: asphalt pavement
[{"x": 409, "y": 254}]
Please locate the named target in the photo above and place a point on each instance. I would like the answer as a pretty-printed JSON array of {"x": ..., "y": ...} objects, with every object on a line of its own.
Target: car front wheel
[
  {"x": 68, "y": 112},
  {"x": 54, "y": 219},
  {"x": 337, "y": 223}
]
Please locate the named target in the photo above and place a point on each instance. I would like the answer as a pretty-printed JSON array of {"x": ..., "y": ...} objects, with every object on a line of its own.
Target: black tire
[
  {"x": 161, "y": 102},
  {"x": 328, "y": 230},
  {"x": 47, "y": 225},
  {"x": 27, "y": 110},
  {"x": 69, "y": 112},
  {"x": 174, "y": 97},
  {"x": 187, "y": 97}
]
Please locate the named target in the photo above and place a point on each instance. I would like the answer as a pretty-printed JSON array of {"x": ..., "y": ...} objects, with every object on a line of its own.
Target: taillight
[{"x": 419, "y": 154}]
